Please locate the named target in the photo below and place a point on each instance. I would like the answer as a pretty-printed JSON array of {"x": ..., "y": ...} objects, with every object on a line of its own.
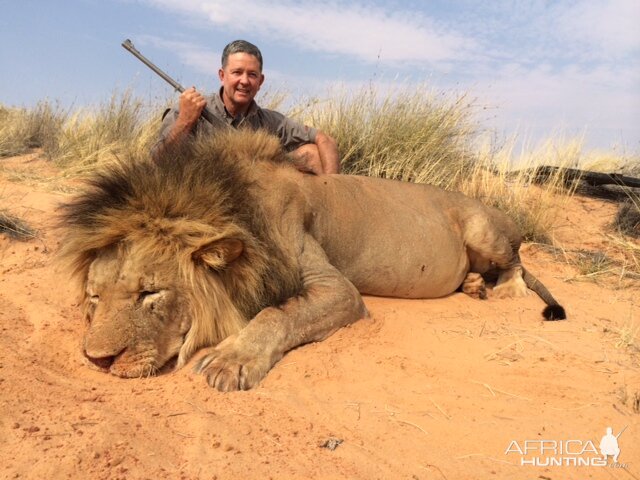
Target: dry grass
[
  {"x": 24, "y": 129},
  {"x": 91, "y": 137},
  {"x": 413, "y": 135},
  {"x": 77, "y": 141},
  {"x": 14, "y": 227},
  {"x": 615, "y": 265},
  {"x": 607, "y": 162},
  {"x": 628, "y": 336},
  {"x": 627, "y": 220},
  {"x": 533, "y": 207}
]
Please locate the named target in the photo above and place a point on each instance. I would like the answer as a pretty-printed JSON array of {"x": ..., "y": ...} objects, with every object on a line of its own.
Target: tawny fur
[
  {"x": 169, "y": 207},
  {"x": 222, "y": 243}
]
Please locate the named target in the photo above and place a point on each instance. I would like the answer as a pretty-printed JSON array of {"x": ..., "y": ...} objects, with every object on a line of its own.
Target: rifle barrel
[
  {"x": 129, "y": 46},
  {"x": 207, "y": 114}
]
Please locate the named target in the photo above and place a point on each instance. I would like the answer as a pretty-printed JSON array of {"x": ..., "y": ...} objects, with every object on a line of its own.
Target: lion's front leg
[
  {"x": 328, "y": 301},
  {"x": 234, "y": 365}
]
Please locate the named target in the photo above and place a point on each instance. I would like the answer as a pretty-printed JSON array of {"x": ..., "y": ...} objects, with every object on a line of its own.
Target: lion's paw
[
  {"x": 228, "y": 369},
  {"x": 474, "y": 286}
]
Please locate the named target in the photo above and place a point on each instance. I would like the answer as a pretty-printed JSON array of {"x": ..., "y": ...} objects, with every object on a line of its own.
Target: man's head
[
  {"x": 241, "y": 46},
  {"x": 241, "y": 75}
]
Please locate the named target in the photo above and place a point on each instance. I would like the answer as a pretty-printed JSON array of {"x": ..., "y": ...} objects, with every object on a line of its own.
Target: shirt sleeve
[
  {"x": 168, "y": 120},
  {"x": 292, "y": 134}
]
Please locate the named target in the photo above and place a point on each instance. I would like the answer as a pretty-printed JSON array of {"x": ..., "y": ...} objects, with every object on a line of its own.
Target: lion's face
[
  {"x": 136, "y": 313},
  {"x": 174, "y": 256}
]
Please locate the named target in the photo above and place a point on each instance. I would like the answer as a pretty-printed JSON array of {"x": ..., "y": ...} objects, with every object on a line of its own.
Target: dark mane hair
[{"x": 203, "y": 189}]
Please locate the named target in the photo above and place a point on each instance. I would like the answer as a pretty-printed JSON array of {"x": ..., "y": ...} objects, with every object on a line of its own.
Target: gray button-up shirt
[{"x": 291, "y": 133}]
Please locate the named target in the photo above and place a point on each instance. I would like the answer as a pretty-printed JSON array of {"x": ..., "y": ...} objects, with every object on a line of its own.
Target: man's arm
[
  {"x": 328, "y": 151},
  {"x": 190, "y": 107}
]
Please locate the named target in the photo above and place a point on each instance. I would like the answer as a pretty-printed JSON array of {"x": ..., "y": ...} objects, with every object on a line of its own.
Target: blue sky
[{"x": 539, "y": 69}]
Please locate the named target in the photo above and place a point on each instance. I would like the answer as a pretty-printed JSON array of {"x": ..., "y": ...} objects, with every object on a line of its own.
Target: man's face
[{"x": 241, "y": 80}]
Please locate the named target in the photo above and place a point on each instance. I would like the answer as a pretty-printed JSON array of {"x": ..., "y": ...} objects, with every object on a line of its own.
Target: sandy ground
[{"x": 428, "y": 389}]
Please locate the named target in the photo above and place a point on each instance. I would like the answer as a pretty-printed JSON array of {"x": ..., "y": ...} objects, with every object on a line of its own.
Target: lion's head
[{"x": 175, "y": 255}]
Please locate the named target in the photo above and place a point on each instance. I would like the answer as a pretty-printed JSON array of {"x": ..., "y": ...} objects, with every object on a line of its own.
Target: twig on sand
[
  {"x": 392, "y": 415},
  {"x": 493, "y": 390},
  {"x": 448, "y": 417},
  {"x": 494, "y": 355},
  {"x": 482, "y": 329},
  {"x": 486, "y": 386},
  {"x": 430, "y": 465},
  {"x": 413, "y": 425}
]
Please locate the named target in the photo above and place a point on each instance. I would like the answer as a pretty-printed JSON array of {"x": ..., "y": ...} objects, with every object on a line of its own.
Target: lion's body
[
  {"x": 416, "y": 252},
  {"x": 224, "y": 242}
]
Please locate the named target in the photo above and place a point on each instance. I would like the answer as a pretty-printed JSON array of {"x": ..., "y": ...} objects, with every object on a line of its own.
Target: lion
[{"x": 221, "y": 245}]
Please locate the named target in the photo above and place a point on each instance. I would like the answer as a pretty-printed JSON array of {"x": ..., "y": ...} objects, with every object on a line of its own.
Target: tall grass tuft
[
  {"x": 93, "y": 136},
  {"x": 412, "y": 135},
  {"x": 627, "y": 219},
  {"x": 24, "y": 129},
  {"x": 533, "y": 207}
]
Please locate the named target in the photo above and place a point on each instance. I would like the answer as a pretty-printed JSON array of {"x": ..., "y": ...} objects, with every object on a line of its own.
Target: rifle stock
[{"x": 207, "y": 114}]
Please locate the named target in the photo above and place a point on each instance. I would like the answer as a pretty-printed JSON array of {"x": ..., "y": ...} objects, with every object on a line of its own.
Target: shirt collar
[{"x": 253, "y": 108}]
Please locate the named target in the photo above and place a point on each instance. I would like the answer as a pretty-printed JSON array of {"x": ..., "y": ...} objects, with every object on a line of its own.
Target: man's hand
[
  {"x": 191, "y": 105},
  {"x": 328, "y": 151},
  {"x": 319, "y": 158}
]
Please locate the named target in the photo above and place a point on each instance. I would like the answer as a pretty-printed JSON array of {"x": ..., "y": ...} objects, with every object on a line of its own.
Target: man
[{"x": 241, "y": 77}]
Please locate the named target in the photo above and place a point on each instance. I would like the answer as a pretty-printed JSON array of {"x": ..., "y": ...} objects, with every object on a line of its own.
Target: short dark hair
[{"x": 241, "y": 46}]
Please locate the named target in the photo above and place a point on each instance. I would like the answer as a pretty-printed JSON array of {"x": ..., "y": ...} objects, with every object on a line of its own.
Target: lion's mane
[{"x": 169, "y": 206}]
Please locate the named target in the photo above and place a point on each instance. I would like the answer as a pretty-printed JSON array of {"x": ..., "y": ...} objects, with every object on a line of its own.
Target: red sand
[{"x": 426, "y": 389}]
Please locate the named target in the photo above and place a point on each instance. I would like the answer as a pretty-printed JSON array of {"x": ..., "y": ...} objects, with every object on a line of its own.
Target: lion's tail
[{"x": 553, "y": 310}]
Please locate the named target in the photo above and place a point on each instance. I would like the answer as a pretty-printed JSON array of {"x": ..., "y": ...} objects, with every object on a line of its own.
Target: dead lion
[{"x": 224, "y": 245}]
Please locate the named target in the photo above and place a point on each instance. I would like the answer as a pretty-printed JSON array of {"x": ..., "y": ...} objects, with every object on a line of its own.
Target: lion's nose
[{"x": 101, "y": 362}]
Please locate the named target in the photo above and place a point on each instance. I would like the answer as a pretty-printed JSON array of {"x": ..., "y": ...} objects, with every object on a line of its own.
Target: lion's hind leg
[
  {"x": 493, "y": 241},
  {"x": 510, "y": 283},
  {"x": 492, "y": 245}
]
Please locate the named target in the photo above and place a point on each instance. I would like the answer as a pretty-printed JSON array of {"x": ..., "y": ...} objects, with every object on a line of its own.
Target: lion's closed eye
[
  {"x": 148, "y": 298},
  {"x": 146, "y": 294}
]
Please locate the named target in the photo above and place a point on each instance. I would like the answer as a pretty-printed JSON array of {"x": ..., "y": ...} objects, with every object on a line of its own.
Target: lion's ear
[{"x": 219, "y": 253}]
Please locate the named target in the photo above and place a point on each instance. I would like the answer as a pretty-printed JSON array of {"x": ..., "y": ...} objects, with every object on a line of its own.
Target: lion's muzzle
[{"x": 103, "y": 363}]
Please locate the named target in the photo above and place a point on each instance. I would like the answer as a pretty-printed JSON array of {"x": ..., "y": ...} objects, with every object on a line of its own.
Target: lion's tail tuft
[{"x": 554, "y": 312}]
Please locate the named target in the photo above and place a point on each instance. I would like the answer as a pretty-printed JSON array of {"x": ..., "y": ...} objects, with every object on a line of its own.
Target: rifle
[
  {"x": 207, "y": 114},
  {"x": 621, "y": 432}
]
